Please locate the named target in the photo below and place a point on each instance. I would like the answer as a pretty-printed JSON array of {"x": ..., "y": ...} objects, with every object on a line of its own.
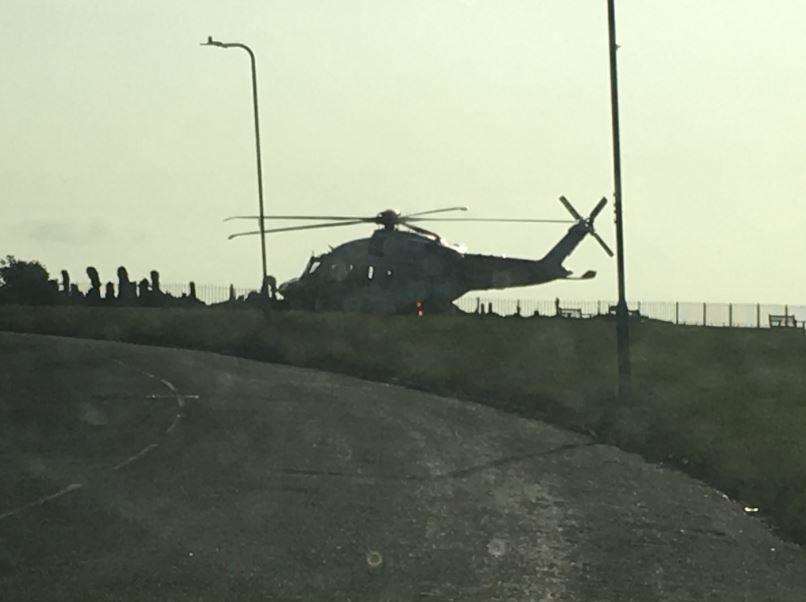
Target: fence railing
[
  {"x": 207, "y": 293},
  {"x": 743, "y": 315}
]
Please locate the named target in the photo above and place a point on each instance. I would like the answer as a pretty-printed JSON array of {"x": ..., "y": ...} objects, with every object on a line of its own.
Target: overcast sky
[{"x": 125, "y": 142}]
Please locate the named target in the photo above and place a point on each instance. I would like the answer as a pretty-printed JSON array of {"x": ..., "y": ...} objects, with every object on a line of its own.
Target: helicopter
[{"x": 404, "y": 268}]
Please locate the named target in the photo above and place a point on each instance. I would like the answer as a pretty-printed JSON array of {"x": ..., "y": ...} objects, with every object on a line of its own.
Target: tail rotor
[{"x": 587, "y": 224}]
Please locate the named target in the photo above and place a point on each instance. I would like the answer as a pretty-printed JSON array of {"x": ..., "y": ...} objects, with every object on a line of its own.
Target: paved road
[{"x": 145, "y": 473}]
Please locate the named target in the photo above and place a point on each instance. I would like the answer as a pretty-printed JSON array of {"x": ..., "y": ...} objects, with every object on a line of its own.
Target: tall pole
[
  {"x": 261, "y": 217},
  {"x": 622, "y": 314}
]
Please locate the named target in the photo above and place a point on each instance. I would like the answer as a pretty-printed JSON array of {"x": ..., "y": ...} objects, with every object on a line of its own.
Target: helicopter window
[
  {"x": 338, "y": 271},
  {"x": 387, "y": 282},
  {"x": 351, "y": 272},
  {"x": 370, "y": 272}
]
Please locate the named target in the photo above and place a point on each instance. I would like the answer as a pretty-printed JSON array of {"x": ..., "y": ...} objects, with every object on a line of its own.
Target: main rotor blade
[
  {"x": 434, "y": 211},
  {"x": 571, "y": 209},
  {"x": 601, "y": 242},
  {"x": 421, "y": 230},
  {"x": 330, "y": 217},
  {"x": 311, "y": 227},
  {"x": 599, "y": 206},
  {"x": 489, "y": 219}
]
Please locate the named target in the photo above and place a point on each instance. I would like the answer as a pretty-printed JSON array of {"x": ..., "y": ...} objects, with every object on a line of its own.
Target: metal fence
[
  {"x": 742, "y": 315},
  {"x": 208, "y": 293}
]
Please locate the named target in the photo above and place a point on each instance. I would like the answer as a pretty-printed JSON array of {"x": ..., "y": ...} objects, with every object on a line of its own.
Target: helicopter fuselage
[{"x": 391, "y": 271}]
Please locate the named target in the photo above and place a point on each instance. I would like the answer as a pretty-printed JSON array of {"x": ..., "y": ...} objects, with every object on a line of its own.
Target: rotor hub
[{"x": 388, "y": 219}]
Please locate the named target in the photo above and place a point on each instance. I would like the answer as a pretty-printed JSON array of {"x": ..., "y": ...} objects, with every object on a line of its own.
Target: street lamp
[
  {"x": 211, "y": 42},
  {"x": 622, "y": 314}
]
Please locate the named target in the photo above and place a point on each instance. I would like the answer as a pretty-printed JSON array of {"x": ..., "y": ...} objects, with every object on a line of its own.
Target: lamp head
[{"x": 211, "y": 42}]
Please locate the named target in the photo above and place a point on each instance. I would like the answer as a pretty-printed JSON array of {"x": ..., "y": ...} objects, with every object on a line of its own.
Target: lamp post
[
  {"x": 622, "y": 314},
  {"x": 262, "y": 226}
]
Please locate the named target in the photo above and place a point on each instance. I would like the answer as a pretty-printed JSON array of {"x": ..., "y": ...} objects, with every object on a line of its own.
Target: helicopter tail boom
[{"x": 489, "y": 272}]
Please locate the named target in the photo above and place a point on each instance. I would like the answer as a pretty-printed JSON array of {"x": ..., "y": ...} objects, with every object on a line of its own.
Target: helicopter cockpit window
[{"x": 313, "y": 265}]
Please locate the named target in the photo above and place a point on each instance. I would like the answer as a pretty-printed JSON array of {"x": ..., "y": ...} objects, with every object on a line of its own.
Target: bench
[
  {"x": 612, "y": 310},
  {"x": 568, "y": 312},
  {"x": 784, "y": 321},
  {"x": 572, "y": 312}
]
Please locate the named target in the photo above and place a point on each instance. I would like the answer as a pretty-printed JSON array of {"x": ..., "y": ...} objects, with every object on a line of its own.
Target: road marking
[
  {"x": 180, "y": 402},
  {"x": 38, "y": 502},
  {"x": 179, "y": 397},
  {"x": 173, "y": 424},
  {"x": 136, "y": 456}
]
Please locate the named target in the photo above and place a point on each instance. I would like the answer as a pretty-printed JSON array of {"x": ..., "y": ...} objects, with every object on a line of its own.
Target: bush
[{"x": 26, "y": 283}]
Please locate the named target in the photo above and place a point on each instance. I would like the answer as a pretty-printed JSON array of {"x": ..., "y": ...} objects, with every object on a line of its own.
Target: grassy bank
[{"x": 726, "y": 405}]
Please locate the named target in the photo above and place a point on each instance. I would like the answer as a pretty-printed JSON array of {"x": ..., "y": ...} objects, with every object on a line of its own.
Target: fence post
[
  {"x": 598, "y": 308},
  {"x": 704, "y": 314},
  {"x": 758, "y": 315},
  {"x": 639, "y": 308},
  {"x": 730, "y": 315},
  {"x": 677, "y": 312}
]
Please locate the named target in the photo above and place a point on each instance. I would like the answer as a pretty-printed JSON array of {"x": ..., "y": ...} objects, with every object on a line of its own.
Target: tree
[{"x": 26, "y": 283}]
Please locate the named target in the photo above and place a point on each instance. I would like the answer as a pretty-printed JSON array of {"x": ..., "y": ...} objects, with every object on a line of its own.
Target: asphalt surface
[{"x": 133, "y": 472}]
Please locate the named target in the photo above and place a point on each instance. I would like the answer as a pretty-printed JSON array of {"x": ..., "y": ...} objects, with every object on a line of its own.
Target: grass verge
[{"x": 725, "y": 405}]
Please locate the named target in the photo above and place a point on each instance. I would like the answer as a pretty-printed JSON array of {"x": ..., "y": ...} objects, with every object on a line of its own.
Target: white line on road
[
  {"x": 175, "y": 421},
  {"x": 136, "y": 456},
  {"x": 180, "y": 402},
  {"x": 38, "y": 502}
]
